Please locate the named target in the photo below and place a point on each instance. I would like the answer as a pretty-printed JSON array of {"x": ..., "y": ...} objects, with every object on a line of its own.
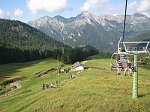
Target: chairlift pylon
[{"x": 124, "y": 50}]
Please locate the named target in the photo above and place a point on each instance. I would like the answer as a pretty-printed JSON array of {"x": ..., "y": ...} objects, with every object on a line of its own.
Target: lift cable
[{"x": 124, "y": 26}]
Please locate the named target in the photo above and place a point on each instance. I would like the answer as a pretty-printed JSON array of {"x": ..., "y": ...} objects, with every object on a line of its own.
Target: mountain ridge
[{"x": 86, "y": 28}]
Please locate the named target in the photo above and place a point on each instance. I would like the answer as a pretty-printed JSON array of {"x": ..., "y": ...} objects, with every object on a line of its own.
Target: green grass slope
[{"x": 93, "y": 90}]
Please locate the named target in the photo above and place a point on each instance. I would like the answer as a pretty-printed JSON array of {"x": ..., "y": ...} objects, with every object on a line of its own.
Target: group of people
[
  {"x": 72, "y": 76},
  {"x": 55, "y": 85},
  {"x": 129, "y": 67},
  {"x": 51, "y": 85}
]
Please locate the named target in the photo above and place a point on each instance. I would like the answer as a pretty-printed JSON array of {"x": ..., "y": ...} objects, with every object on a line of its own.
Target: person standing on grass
[
  {"x": 131, "y": 69},
  {"x": 126, "y": 69},
  {"x": 43, "y": 86},
  {"x": 56, "y": 83},
  {"x": 52, "y": 85},
  {"x": 47, "y": 86},
  {"x": 119, "y": 67}
]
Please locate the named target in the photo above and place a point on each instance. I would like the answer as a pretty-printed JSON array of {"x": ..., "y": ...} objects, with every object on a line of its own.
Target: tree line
[{"x": 16, "y": 55}]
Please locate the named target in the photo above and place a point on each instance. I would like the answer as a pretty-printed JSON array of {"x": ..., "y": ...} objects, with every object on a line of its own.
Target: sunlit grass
[{"x": 92, "y": 90}]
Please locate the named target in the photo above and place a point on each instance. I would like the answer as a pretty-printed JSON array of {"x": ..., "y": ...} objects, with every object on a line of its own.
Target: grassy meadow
[{"x": 93, "y": 90}]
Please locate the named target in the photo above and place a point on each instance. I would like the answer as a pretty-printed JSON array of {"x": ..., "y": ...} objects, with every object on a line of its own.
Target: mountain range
[{"x": 101, "y": 32}]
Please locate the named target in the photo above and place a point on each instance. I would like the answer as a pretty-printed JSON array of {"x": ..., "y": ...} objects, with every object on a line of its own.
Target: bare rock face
[{"x": 101, "y": 32}]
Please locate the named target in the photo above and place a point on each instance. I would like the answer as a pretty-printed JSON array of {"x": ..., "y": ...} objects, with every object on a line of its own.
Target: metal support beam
[{"x": 135, "y": 78}]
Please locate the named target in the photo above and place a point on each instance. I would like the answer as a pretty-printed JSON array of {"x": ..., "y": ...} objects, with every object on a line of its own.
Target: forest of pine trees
[
  {"x": 21, "y": 43},
  {"x": 15, "y": 55}
]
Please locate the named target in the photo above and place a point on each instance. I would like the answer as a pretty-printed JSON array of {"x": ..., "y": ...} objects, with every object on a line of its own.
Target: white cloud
[
  {"x": 116, "y": 14},
  {"x": 46, "y": 5},
  {"x": 18, "y": 13},
  {"x": 4, "y": 14},
  {"x": 133, "y": 5},
  {"x": 92, "y": 4},
  {"x": 144, "y": 6}
]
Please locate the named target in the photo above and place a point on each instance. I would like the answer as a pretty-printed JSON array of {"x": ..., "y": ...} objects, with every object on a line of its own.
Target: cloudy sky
[{"x": 27, "y": 10}]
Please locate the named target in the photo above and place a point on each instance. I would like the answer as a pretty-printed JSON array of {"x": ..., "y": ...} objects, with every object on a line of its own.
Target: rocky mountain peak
[
  {"x": 139, "y": 15},
  {"x": 85, "y": 14},
  {"x": 46, "y": 18},
  {"x": 60, "y": 18}
]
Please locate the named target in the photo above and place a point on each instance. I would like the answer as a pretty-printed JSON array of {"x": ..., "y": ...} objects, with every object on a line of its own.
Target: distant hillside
[
  {"x": 142, "y": 37},
  {"x": 21, "y": 42},
  {"x": 17, "y": 34}
]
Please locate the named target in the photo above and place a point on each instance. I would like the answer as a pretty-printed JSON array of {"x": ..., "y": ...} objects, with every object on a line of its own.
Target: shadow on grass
[
  {"x": 143, "y": 95},
  {"x": 7, "y": 70}
]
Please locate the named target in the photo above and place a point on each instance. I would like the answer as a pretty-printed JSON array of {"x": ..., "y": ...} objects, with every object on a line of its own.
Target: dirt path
[
  {"x": 16, "y": 84},
  {"x": 17, "y": 87},
  {"x": 105, "y": 69}
]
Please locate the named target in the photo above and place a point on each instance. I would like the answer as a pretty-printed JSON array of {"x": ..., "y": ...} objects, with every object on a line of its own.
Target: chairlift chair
[{"x": 129, "y": 48}]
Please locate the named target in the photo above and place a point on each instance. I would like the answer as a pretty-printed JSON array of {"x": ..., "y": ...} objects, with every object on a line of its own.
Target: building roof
[{"x": 77, "y": 64}]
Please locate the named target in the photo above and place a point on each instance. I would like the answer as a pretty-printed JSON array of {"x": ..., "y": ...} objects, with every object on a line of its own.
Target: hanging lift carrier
[{"x": 131, "y": 48}]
